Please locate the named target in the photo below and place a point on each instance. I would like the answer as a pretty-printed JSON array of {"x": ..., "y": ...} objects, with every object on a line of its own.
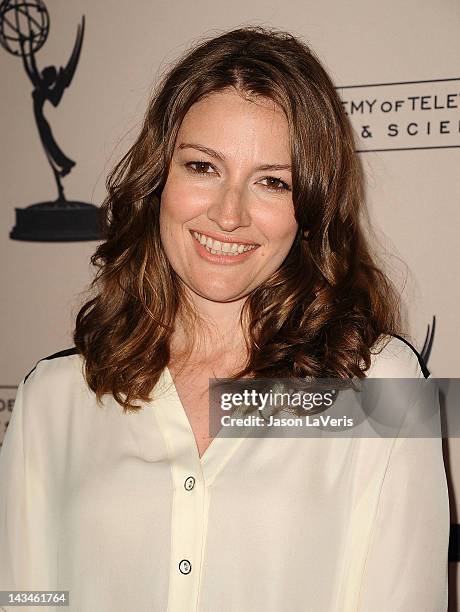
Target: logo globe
[{"x": 23, "y": 21}]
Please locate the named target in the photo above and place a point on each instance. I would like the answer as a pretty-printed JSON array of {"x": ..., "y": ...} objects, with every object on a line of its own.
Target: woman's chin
[{"x": 220, "y": 293}]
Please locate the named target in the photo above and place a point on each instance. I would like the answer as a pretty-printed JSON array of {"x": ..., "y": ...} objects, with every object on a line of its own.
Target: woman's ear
[{"x": 302, "y": 234}]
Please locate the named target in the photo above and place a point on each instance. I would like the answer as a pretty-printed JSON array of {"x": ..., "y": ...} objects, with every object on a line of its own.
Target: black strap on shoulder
[
  {"x": 421, "y": 361},
  {"x": 63, "y": 353}
]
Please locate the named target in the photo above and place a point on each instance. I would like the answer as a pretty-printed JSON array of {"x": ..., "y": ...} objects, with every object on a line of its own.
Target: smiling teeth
[{"x": 222, "y": 248}]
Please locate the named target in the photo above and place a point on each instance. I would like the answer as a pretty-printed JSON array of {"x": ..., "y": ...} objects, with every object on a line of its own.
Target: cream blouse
[{"x": 120, "y": 510}]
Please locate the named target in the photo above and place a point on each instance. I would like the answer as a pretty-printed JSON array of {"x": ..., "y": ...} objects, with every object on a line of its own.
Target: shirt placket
[
  {"x": 187, "y": 535},
  {"x": 188, "y": 511},
  {"x": 192, "y": 482}
]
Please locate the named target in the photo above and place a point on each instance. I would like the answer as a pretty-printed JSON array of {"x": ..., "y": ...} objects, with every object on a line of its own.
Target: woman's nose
[{"x": 229, "y": 209}]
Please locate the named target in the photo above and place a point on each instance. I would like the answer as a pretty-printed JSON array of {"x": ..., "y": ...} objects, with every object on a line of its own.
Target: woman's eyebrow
[{"x": 220, "y": 156}]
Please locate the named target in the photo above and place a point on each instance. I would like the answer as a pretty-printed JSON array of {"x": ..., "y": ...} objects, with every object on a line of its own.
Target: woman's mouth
[{"x": 221, "y": 252}]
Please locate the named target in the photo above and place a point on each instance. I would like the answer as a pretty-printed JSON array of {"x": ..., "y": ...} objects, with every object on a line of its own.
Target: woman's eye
[
  {"x": 200, "y": 167},
  {"x": 276, "y": 184}
]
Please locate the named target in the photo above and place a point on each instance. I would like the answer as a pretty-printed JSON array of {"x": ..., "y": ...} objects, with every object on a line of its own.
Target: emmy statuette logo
[{"x": 24, "y": 28}]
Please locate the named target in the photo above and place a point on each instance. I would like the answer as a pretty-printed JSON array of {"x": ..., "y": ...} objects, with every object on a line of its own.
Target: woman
[{"x": 235, "y": 247}]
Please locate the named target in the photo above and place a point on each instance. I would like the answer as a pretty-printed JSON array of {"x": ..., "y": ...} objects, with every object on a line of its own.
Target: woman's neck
[{"x": 224, "y": 349}]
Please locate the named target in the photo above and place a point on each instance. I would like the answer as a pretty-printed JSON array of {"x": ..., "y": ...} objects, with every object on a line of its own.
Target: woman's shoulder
[
  {"x": 58, "y": 369},
  {"x": 393, "y": 356},
  {"x": 46, "y": 400},
  {"x": 55, "y": 382}
]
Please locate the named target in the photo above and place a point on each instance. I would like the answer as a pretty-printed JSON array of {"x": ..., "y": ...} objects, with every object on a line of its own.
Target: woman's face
[{"x": 228, "y": 191}]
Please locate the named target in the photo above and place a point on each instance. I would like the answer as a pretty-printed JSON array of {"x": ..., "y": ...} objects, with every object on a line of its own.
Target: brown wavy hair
[{"x": 326, "y": 306}]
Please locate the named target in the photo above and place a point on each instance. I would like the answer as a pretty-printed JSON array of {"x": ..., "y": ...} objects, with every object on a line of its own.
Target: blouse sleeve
[
  {"x": 27, "y": 557},
  {"x": 407, "y": 561}
]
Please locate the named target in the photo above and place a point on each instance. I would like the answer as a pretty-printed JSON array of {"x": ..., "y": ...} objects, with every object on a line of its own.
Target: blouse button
[
  {"x": 189, "y": 483},
  {"x": 185, "y": 566}
]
